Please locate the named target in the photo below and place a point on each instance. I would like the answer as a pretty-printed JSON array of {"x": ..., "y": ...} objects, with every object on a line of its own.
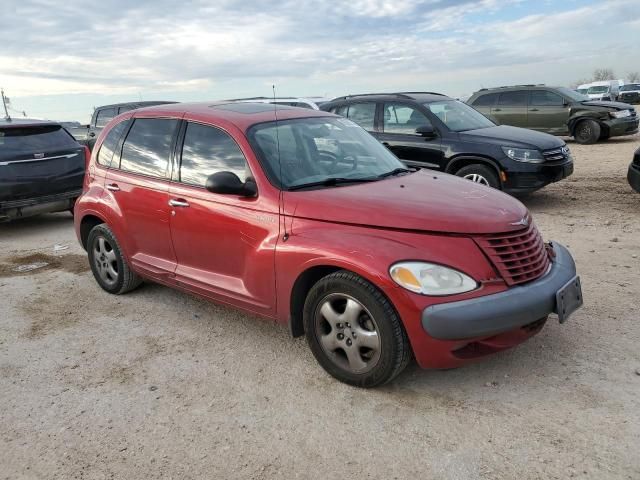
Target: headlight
[
  {"x": 620, "y": 114},
  {"x": 430, "y": 279},
  {"x": 523, "y": 155}
]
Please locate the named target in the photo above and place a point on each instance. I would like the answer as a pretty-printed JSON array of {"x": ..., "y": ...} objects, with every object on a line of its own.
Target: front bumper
[
  {"x": 501, "y": 312},
  {"x": 622, "y": 126},
  {"x": 633, "y": 176},
  {"x": 536, "y": 176}
]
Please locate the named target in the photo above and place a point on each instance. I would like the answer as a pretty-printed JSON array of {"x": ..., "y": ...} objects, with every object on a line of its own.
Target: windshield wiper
[
  {"x": 395, "y": 171},
  {"x": 330, "y": 182}
]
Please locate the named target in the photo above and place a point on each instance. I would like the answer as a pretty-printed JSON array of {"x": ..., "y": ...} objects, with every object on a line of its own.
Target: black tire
[
  {"x": 587, "y": 132},
  {"x": 377, "y": 318},
  {"x": 109, "y": 267},
  {"x": 479, "y": 173}
]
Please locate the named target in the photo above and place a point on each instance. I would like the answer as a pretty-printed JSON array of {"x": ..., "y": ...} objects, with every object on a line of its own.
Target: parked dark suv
[
  {"x": 435, "y": 131},
  {"x": 41, "y": 168},
  {"x": 556, "y": 110},
  {"x": 103, "y": 115}
]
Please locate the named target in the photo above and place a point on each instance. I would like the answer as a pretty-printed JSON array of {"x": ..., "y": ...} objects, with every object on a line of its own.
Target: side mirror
[
  {"x": 228, "y": 183},
  {"x": 426, "y": 131}
]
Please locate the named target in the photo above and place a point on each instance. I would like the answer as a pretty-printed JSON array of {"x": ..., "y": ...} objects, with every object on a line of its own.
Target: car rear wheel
[
  {"x": 587, "y": 132},
  {"x": 479, "y": 174},
  {"x": 354, "y": 332},
  {"x": 109, "y": 267}
]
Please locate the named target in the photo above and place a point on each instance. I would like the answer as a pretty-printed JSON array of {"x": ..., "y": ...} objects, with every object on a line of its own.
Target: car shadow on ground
[{"x": 36, "y": 223}]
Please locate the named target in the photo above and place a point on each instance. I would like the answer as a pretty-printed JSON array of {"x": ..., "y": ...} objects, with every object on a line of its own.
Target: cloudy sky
[{"x": 59, "y": 59}]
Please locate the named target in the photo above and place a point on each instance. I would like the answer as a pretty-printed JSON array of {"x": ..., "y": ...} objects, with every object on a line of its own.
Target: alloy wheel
[
  {"x": 347, "y": 333},
  {"x": 477, "y": 178},
  {"x": 105, "y": 260}
]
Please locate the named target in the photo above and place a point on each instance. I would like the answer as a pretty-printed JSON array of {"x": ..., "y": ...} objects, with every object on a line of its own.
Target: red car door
[
  {"x": 224, "y": 244},
  {"x": 138, "y": 186}
]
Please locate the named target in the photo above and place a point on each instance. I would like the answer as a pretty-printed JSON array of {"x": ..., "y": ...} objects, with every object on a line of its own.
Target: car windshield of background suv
[
  {"x": 458, "y": 116},
  {"x": 307, "y": 150},
  {"x": 631, "y": 87},
  {"x": 601, "y": 89}
]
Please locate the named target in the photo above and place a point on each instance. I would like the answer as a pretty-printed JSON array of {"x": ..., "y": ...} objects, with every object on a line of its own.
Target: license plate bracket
[{"x": 569, "y": 299}]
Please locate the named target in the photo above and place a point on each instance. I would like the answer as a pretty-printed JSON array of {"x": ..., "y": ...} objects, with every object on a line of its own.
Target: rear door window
[
  {"x": 147, "y": 148},
  {"x": 363, "y": 114},
  {"x": 488, "y": 100},
  {"x": 399, "y": 118},
  {"x": 104, "y": 116},
  {"x": 544, "y": 98},
  {"x": 28, "y": 140},
  {"x": 110, "y": 143},
  {"x": 208, "y": 150},
  {"x": 517, "y": 98}
]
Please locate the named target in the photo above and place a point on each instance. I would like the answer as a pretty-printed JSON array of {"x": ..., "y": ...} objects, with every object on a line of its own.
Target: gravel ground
[{"x": 159, "y": 384}]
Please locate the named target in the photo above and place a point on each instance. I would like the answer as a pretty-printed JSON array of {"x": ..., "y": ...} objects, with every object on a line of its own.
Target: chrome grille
[{"x": 555, "y": 154}]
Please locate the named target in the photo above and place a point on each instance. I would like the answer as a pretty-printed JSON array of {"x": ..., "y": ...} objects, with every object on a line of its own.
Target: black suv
[
  {"x": 431, "y": 130},
  {"x": 103, "y": 115},
  {"x": 41, "y": 168}
]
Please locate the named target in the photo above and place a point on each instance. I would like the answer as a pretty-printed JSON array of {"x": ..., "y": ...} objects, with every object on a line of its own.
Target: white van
[
  {"x": 583, "y": 89},
  {"x": 605, "y": 90}
]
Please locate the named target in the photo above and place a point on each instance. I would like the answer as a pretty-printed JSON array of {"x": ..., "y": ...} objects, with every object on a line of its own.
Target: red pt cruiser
[{"x": 304, "y": 218}]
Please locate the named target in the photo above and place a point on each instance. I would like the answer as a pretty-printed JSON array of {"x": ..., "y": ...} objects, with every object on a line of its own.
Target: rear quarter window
[
  {"x": 110, "y": 143},
  {"x": 487, "y": 100},
  {"x": 104, "y": 116}
]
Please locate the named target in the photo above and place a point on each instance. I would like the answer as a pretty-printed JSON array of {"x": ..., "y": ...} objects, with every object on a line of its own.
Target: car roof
[
  {"x": 22, "y": 122},
  {"x": 421, "y": 97},
  {"x": 241, "y": 114},
  {"x": 141, "y": 103},
  {"x": 516, "y": 87}
]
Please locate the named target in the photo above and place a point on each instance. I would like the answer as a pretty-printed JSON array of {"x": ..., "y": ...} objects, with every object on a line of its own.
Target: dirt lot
[{"x": 160, "y": 384}]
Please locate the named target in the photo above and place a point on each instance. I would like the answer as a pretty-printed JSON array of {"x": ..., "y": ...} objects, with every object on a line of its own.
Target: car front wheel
[
  {"x": 354, "y": 332},
  {"x": 479, "y": 174},
  {"x": 587, "y": 132},
  {"x": 109, "y": 267}
]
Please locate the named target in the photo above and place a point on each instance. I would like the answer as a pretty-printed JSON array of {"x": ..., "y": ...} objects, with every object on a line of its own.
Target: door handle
[
  {"x": 113, "y": 187},
  {"x": 176, "y": 202},
  {"x": 497, "y": 109},
  {"x": 534, "y": 110}
]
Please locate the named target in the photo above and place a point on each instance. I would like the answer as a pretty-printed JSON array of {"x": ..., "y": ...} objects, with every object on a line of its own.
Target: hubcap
[
  {"x": 105, "y": 261},
  {"x": 348, "y": 333},
  {"x": 477, "y": 178}
]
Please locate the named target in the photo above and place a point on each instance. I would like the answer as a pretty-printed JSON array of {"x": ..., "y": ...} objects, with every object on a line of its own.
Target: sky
[{"x": 58, "y": 60}]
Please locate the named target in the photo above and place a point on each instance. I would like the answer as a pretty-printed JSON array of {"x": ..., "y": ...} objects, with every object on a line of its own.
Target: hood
[
  {"x": 422, "y": 201},
  {"x": 512, "y": 137},
  {"x": 614, "y": 105}
]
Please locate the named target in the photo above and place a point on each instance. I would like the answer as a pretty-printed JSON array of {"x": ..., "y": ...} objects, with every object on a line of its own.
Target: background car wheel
[
  {"x": 109, "y": 267},
  {"x": 354, "y": 332},
  {"x": 480, "y": 174},
  {"x": 587, "y": 132}
]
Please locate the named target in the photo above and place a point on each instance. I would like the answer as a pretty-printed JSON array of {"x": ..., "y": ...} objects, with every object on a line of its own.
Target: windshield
[
  {"x": 319, "y": 149},
  {"x": 573, "y": 95},
  {"x": 583, "y": 91},
  {"x": 458, "y": 116},
  {"x": 630, "y": 87},
  {"x": 599, "y": 89}
]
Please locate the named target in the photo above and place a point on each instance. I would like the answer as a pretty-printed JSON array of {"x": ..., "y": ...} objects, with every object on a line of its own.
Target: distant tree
[
  {"x": 633, "y": 77},
  {"x": 603, "y": 74}
]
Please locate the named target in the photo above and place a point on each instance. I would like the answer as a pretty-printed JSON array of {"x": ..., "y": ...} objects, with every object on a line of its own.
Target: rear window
[
  {"x": 105, "y": 116},
  {"x": 517, "y": 98},
  {"x": 20, "y": 141}
]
